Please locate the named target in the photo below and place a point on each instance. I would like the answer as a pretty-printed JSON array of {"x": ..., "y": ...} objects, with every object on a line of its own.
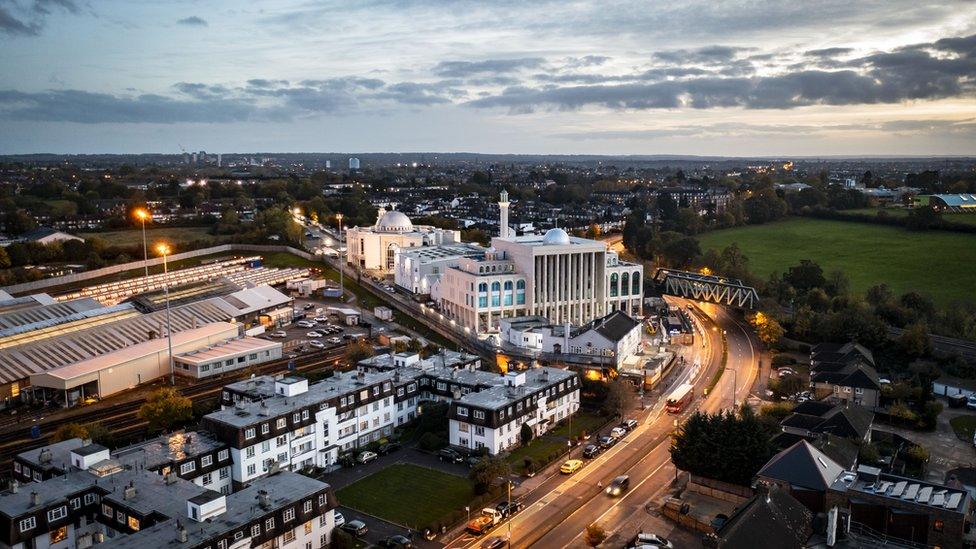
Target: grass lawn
[
  {"x": 964, "y": 426},
  {"x": 968, "y": 219},
  {"x": 173, "y": 235},
  {"x": 937, "y": 263},
  {"x": 554, "y": 441},
  {"x": 407, "y": 494}
]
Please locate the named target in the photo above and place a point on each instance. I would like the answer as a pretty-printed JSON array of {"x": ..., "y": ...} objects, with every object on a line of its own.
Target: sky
[{"x": 729, "y": 78}]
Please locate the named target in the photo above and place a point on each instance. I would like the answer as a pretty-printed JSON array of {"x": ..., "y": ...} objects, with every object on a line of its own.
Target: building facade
[{"x": 375, "y": 248}]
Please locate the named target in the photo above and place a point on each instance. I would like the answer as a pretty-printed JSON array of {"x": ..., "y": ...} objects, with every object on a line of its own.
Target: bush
[
  {"x": 783, "y": 360},
  {"x": 342, "y": 540},
  {"x": 917, "y": 455},
  {"x": 431, "y": 442}
]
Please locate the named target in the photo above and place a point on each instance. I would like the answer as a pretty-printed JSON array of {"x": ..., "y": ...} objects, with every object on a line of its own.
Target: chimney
[
  {"x": 129, "y": 492},
  {"x": 14, "y": 486},
  {"x": 35, "y": 499},
  {"x": 181, "y": 534},
  {"x": 45, "y": 456},
  {"x": 264, "y": 501}
]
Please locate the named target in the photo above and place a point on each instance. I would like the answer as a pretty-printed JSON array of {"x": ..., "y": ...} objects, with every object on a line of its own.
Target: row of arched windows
[
  {"x": 625, "y": 285},
  {"x": 497, "y": 296}
]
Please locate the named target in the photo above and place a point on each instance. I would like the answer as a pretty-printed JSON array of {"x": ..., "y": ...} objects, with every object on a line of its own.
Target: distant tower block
[{"x": 503, "y": 215}]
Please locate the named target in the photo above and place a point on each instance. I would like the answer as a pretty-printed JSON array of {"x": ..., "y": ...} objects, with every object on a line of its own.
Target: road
[{"x": 558, "y": 511}]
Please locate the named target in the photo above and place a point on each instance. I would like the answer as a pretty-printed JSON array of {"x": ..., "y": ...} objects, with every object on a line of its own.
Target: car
[
  {"x": 314, "y": 334},
  {"x": 484, "y": 521},
  {"x": 291, "y": 355},
  {"x": 509, "y": 508},
  {"x": 279, "y": 333},
  {"x": 606, "y": 442},
  {"x": 971, "y": 402},
  {"x": 494, "y": 542},
  {"x": 321, "y": 319},
  {"x": 347, "y": 336},
  {"x": 334, "y": 340},
  {"x": 652, "y": 540},
  {"x": 473, "y": 460},
  {"x": 305, "y": 324},
  {"x": 339, "y": 519},
  {"x": 366, "y": 457},
  {"x": 317, "y": 344},
  {"x": 397, "y": 541},
  {"x": 357, "y": 528},
  {"x": 618, "y": 432},
  {"x": 618, "y": 486},
  {"x": 629, "y": 424},
  {"x": 590, "y": 451},
  {"x": 571, "y": 466},
  {"x": 388, "y": 448},
  {"x": 450, "y": 456},
  {"x": 308, "y": 306},
  {"x": 783, "y": 372}
]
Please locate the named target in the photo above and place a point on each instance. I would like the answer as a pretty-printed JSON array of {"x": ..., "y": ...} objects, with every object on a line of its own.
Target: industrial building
[{"x": 227, "y": 356}]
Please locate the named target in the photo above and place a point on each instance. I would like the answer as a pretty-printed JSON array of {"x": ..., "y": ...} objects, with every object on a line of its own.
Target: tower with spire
[{"x": 503, "y": 230}]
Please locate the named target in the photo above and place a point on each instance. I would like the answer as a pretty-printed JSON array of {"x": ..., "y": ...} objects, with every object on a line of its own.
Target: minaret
[{"x": 503, "y": 215}]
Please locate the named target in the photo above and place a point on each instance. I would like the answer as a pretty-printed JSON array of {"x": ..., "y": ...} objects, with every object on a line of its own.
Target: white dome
[
  {"x": 395, "y": 222},
  {"x": 556, "y": 237}
]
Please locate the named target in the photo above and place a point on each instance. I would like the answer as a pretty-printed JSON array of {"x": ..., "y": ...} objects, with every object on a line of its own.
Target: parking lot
[{"x": 296, "y": 339}]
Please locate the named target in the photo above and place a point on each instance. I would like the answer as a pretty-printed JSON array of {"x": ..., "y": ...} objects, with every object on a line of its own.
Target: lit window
[{"x": 133, "y": 523}]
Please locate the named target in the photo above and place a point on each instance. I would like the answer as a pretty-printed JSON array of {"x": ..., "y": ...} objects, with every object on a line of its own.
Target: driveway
[{"x": 946, "y": 451}]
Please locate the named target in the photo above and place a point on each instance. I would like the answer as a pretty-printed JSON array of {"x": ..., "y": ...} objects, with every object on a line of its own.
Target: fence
[
  {"x": 54, "y": 282},
  {"x": 720, "y": 490}
]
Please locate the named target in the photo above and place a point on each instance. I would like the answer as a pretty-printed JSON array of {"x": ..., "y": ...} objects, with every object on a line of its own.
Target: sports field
[{"x": 937, "y": 263}]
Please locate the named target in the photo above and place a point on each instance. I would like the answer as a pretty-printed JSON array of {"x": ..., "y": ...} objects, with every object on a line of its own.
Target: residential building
[
  {"x": 845, "y": 372},
  {"x": 616, "y": 336},
  {"x": 417, "y": 269}
]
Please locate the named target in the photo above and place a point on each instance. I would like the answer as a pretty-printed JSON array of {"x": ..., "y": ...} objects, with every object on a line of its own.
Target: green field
[
  {"x": 432, "y": 495},
  {"x": 937, "y": 263},
  {"x": 173, "y": 235},
  {"x": 968, "y": 219}
]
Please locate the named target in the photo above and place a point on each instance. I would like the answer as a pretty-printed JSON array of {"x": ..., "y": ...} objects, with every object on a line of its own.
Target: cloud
[
  {"x": 17, "y": 19},
  {"x": 461, "y": 69},
  {"x": 828, "y": 52},
  {"x": 193, "y": 21},
  {"x": 927, "y": 71}
]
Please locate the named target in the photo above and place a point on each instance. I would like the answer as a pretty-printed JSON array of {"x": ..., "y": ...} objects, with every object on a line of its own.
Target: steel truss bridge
[{"x": 710, "y": 288}]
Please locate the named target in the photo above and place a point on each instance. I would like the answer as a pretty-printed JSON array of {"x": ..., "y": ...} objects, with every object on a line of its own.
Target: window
[
  {"x": 479, "y": 414},
  {"x": 89, "y": 499},
  {"x": 281, "y": 423},
  {"x": 296, "y": 417},
  {"x": 938, "y": 525},
  {"x": 76, "y": 503},
  {"x": 636, "y": 286},
  {"x": 187, "y": 467},
  {"x": 107, "y": 510},
  {"x": 399, "y": 391},
  {"x": 206, "y": 367},
  {"x": 28, "y": 524},
  {"x": 16, "y": 467},
  {"x": 120, "y": 516},
  {"x": 304, "y": 414},
  {"x": 57, "y": 513},
  {"x": 59, "y": 535},
  {"x": 480, "y": 431},
  {"x": 307, "y": 507},
  {"x": 251, "y": 469},
  {"x": 625, "y": 284},
  {"x": 206, "y": 461},
  {"x": 288, "y": 537},
  {"x": 376, "y": 391},
  {"x": 265, "y": 428},
  {"x": 255, "y": 531},
  {"x": 269, "y": 524},
  {"x": 208, "y": 479},
  {"x": 613, "y": 285},
  {"x": 462, "y": 412},
  {"x": 133, "y": 523},
  {"x": 224, "y": 472},
  {"x": 249, "y": 452},
  {"x": 222, "y": 455},
  {"x": 239, "y": 535},
  {"x": 249, "y": 433}
]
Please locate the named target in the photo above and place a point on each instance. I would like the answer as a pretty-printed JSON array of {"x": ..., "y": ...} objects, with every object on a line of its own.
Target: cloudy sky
[{"x": 613, "y": 77}]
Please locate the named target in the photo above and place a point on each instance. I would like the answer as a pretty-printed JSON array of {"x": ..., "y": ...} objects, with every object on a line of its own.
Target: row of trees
[{"x": 742, "y": 440}]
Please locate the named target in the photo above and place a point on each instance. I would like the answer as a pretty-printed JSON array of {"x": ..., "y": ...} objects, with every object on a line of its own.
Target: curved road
[{"x": 558, "y": 511}]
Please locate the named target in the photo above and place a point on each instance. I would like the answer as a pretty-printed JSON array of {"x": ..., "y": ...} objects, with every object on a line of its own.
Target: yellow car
[{"x": 571, "y": 466}]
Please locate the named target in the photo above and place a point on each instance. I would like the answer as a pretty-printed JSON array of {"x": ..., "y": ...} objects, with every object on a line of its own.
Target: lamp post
[
  {"x": 164, "y": 250},
  {"x": 342, "y": 288},
  {"x": 143, "y": 214}
]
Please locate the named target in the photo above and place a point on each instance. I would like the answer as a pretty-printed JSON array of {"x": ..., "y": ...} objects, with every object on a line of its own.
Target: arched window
[
  {"x": 496, "y": 294},
  {"x": 483, "y": 287},
  {"x": 483, "y": 294},
  {"x": 508, "y": 298},
  {"x": 391, "y": 251},
  {"x": 637, "y": 284},
  {"x": 613, "y": 285},
  {"x": 520, "y": 292},
  {"x": 625, "y": 284}
]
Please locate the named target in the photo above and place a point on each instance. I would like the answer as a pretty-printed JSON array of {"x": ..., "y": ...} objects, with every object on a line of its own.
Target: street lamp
[
  {"x": 164, "y": 250},
  {"x": 342, "y": 288},
  {"x": 142, "y": 214}
]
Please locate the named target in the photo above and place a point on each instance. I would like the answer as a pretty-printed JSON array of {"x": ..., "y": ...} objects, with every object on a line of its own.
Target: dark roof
[
  {"x": 842, "y": 450},
  {"x": 770, "y": 519},
  {"x": 803, "y": 466},
  {"x": 854, "y": 374},
  {"x": 89, "y": 449},
  {"x": 37, "y": 233},
  {"x": 614, "y": 326},
  {"x": 813, "y": 408},
  {"x": 206, "y": 497},
  {"x": 842, "y": 353},
  {"x": 843, "y": 420}
]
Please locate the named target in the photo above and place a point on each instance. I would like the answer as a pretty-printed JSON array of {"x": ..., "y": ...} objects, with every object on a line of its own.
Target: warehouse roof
[{"x": 233, "y": 347}]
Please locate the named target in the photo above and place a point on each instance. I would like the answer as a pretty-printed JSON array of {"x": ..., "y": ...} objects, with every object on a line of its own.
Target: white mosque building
[
  {"x": 375, "y": 248},
  {"x": 563, "y": 278}
]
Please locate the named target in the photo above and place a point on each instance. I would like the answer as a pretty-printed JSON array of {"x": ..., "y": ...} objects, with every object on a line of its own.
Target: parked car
[
  {"x": 571, "y": 466},
  {"x": 321, "y": 319},
  {"x": 279, "y": 333},
  {"x": 590, "y": 451},
  {"x": 606, "y": 442},
  {"x": 494, "y": 542},
  {"x": 314, "y": 334},
  {"x": 450, "y": 456},
  {"x": 397, "y": 541},
  {"x": 339, "y": 519},
  {"x": 309, "y": 306},
  {"x": 629, "y": 424},
  {"x": 317, "y": 344},
  {"x": 618, "y": 486},
  {"x": 366, "y": 457},
  {"x": 305, "y": 324},
  {"x": 387, "y": 448},
  {"x": 618, "y": 432},
  {"x": 334, "y": 340},
  {"x": 652, "y": 540},
  {"x": 509, "y": 508},
  {"x": 357, "y": 528},
  {"x": 971, "y": 402},
  {"x": 473, "y": 460}
]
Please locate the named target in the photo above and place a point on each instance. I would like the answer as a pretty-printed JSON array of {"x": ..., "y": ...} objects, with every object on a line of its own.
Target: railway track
[{"x": 122, "y": 419}]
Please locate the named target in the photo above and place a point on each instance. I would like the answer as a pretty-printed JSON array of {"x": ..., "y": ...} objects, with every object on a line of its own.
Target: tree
[
  {"x": 743, "y": 442},
  {"x": 486, "y": 471},
  {"x": 525, "y": 434},
  {"x": 595, "y": 535},
  {"x": 69, "y": 431},
  {"x": 4, "y": 259},
  {"x": 358, "y": 350},
  {"x": 166, "y": 408},
  {"x": 619, "y": 399},
  {"x": 805, "y": 276},
  {"x": 914, "y": 341}
]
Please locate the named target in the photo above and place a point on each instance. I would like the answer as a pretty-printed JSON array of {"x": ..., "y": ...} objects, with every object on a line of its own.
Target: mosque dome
[
  {"x": 556, "y": 237},
  {"x": 394, "y": 222}
]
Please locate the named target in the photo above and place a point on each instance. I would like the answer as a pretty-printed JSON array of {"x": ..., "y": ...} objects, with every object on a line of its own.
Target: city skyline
[{"x": 545, "y": 78}]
